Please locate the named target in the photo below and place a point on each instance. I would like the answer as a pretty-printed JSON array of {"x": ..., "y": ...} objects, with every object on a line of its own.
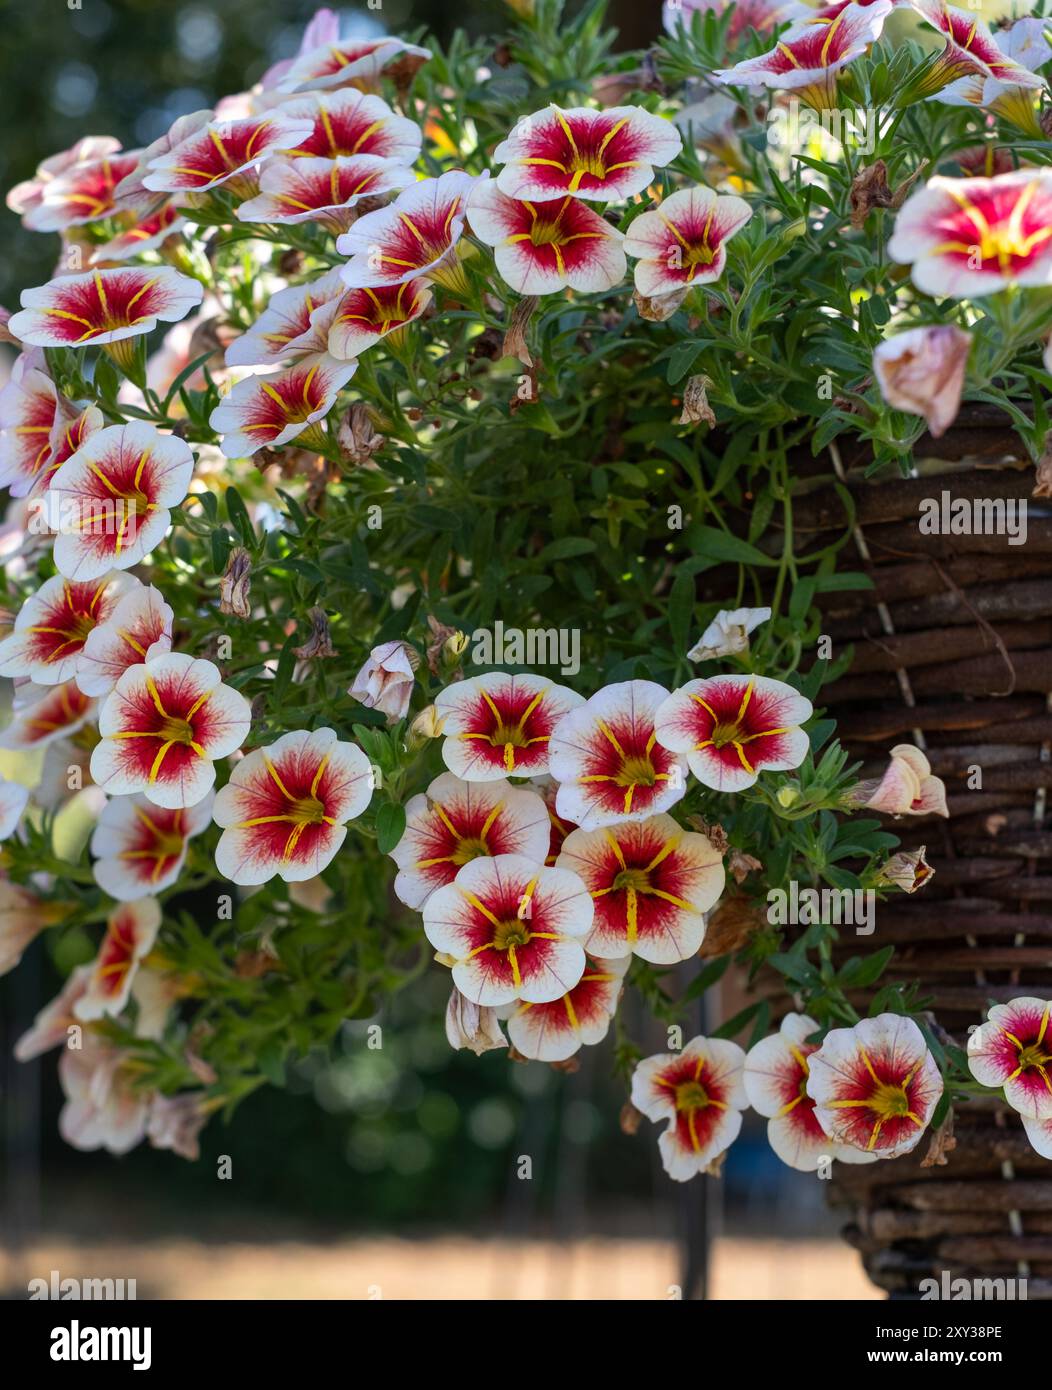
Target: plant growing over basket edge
[{"x": 415, "y": 398}]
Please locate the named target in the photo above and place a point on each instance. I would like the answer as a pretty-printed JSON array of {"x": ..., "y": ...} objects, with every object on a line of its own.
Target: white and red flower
[
  {"x": 294, "y": 324},
  {"x": 366, "y": 315},
  {"x": 148, "y": 233},
  {"x": 285, "y": 809},
  {"x": 67, "y": 438},
  {"x": 776, "y": 1072},
  {"x": 875, "y": 1086},
  {"x": 1013, "y": 1050},
  {"x": 386, "y": 680},
  {"x": 1026, "y": 45},
  {"x": 140, "y": 848},
  {"x": 131, "y": 930},
  {"x": 218, "y": 151},
  {"x": 29, "y": 194},
  {"x": 358, "y": 63},
  {"x": 808, "y": 56},
  {"x": 761, "y": 15},
  {"x": 922, "y": 371},
  {"x": 701, "y": 1093},
  {"x": 51, "y": 1026},
  {"x": 732, "y": 728},
  {"x": 53, "y": 625},
  {"x": 498, "y": 725},
  {"x": 970, "y": 237},
  {"x": 137, "y": 629},
  {"x": 264, "y": 412},
  {"x": 971, "y": 50},
  {"x": 104, "y": 306},
  {"x": 31, "y": 409},
  {"x": 103, "y": 1109},
  {"x": 602, "y": 155},
  {"x": 907, "y": 787},
  {"x": 162, "y": 726},
  {"x": 43, "y": 713},
  {"x": 455, "y": 822},
  {"x": 322, "y": 190},
  {"x": 728, "y": 633},
  {"x": 23, "y": 916},
  {"x": 414, "y": 236},
  {"x": 14, "y": 799},
  {"x": 513, "y": 928},
  {"x": 581, "y": 1018},
  {"x": 85, "y": 192},
  {"x": 607, "y": 759},
  {"x": 652, "y": 883},
  {"x": 683, "y": 241},
  {"x": 110, "y": 502},
  {"x": 350, "y": 122},
  {"x": 543, "y": 247}
]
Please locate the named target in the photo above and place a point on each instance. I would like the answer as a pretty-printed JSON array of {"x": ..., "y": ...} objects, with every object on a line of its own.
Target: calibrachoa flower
[
  {"x": 776, "y": 1072},
  {"x": 592, "y": 154},
  {"x": 110, "y": 501},
  {"x": 137, "y": 629},
  {"x": 732, "y": 728},
  {"x": 292, "y": 325},
  {"x": 264, "y": 412},
  {"x": 51, "y": 1026},
  {"x": 808, "y": 56},
  {"x": 141, "y": 848},
  {"x": 351, "y": 63},
  {"x": 455, "y": 822},
  {"x": 351, "y": 122},
  {"x": 875, "y": 1085},
  {"x": 104, "y": 307},
  {"x": 701, "y": 1093},
  {"x": 13, "y": 801},
  {"x": 543, "y": 247},
  {"x": 1013, "y": 1049},
  {"x": 85, "y": 192},
  {"x": 131, "y": 930},
  {"x": 922, "y": 371},
  {"x": 365, "y": 316},
  {"x": 161, "y": 727},
  {"x": 285, "y": 808},
  {"x": 1025, "y": 44},
  {"x": 43, "y": 713},
  {"x": 322, "y": 190},
  {"x": 513, "y": 928},
  {"x": 67, "y": 438},
  {"x": 221, "y": 151},
  {"x": 683, "y": 241},
  {"x": 387, "y": 679},
  {"x": 53, "y": 625},
  {"x": 28, "y": 195},
  {"x": 608, "y": 761},
  {"x": 970, "y": 237},
  {"x": 728, "y": 633},
  {"x": 468, "y": 1025},
  {"x": 581, "y": 1018},
  {"x": 651, "y": 882},
  {"x": 907, "y": 788},
  {"x": 970, "y": 50},
  {"x": 103, "y": 1110},
  {"x": 149, "y": 233},
  {"x": 761, "y": 15},
  {"x": 23, "y": 916},
  {"x": 30, "y": 410},
  {"x": 908, "y": 870},
  {"x": 174, "y": 1122},
  {"x": 415, "y": 235},
  {"x": 499, "y": 724}
]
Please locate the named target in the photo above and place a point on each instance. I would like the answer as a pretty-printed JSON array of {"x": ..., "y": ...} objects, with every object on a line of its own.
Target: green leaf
[{"x": 390, "y": 826}]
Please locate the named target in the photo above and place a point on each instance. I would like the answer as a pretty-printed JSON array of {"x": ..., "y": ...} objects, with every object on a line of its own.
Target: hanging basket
[{"x": 953, "y": 649}]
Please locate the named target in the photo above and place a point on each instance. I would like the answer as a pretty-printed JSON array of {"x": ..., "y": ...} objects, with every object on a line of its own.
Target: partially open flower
[
  {"x": 414, "y": 236},
  {"x": 652, "y": 883},
  {"x": 455, "y": 822},
  {"x": 264, "y": 412},
  {"x": 51, "y": 1026},
  {"x": 732, "y": 728},
  {"x": 701, "y": 1093},
  {"x": 355, "y": 63},
  {"x": 971, "y": 237},
  {"x": 907, "y": 788},
  {"x": 543, "y": 247},
  {"x": 85, "y": 192},
  {"x": 728, "y": 633},
  {"x": 350, "y": 122},
  {"x": 1013, "y": 1049},
  {"x": 285, "y": 809},
  {"x": 592, "y": 154},
  {"x": 174, "y": 1122},
  {"x": 472, "y": 1026},
  {"x": 776, "y": 1072},
  {"x": 110, "y": 502},
  {"x": 609, "y": 762},
  {"x": 220, "y": 151},
  {"x": 321, "y": 190},
  {"x": 683, "y": 242},
  {"x": 387, "y": 679},
  {"x": 141, "y": 848},
  {"x": 581, "y": 1018},
  {"x": 131, "y": 930},
  {"x": 365, "y": 316},
  {"x": 31, "y": 409},
  {"x": 1026, "y": 45},
  {"x": 922, "y": 371},
  {"x": 68, "y": 437},
  {"x": 137, "y": 629},
  {"x": 971, "y": 51},
  {"x": 43, "y": 713},
  {"x": 14, "y": 799},
  {"x": 498, "y": 724},
  {"x": 23, "y": 916},
  {"x": 908, "y": 870},
  {"x": 29, "y": 194},
  {"x": 103, "y": 1108},
  {"x": 875, "y": 1086},
  {"x": 162, "y": 726},
  {"x": 294, "y": 324},
  {"x": 513, "y": 929},
  {"x": 148, "y": 233},
  {"x": 53, "y": 625}
]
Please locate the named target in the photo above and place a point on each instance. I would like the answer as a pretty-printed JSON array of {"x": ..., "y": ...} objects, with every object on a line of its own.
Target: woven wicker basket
[{"x": 953, "y": 649}]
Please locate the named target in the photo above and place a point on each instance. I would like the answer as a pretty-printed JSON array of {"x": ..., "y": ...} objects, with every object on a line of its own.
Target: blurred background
[{"x": 391, "y": 1172}]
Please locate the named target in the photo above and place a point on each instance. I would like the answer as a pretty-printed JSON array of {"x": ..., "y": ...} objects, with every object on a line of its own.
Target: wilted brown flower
[
  {"x": 661, "y": 307},
  {"x": 235, "y": 585},
  {"x": 696, "y": 408},
  {"x": 319, "y": 644},
  {"x": 515, "y": 338},
  {"x": 732, "y": 923},
  {"x": 870, "y": 189},
  {"x": 357, "y": 438}
]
